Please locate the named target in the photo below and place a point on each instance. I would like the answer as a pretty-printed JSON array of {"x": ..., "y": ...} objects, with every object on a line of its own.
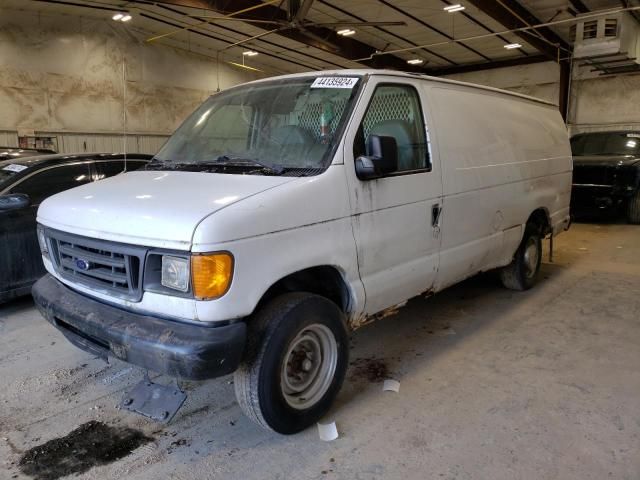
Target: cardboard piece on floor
[
  {"x": 327, "y": 431},
  {"x": 391, "y": 385}
]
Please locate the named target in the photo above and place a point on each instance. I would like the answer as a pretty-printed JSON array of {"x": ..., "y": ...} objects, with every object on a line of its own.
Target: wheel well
[
  {"x": 322, "y": 280},
  {"x": 540, "y": 219}
]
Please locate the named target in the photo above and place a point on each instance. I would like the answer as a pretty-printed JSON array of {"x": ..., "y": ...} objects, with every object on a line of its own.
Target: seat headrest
[
  {"x": 399, "y": 129},
  {"x": 402, "y": 131}
]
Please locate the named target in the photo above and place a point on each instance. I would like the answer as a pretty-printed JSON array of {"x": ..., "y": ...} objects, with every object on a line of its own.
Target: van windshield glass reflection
[{"x": 269, "y": 128}]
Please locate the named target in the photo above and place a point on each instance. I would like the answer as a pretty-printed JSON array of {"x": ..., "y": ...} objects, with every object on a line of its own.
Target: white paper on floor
[
  {"x": 327, "y": 431},
  {"x": 391, "y": 385}
]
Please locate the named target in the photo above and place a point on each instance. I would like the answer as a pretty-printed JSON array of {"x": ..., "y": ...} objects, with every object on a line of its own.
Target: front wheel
[
  {"x": 521, "y": 273},
  {"x": 296, "y": 360}
]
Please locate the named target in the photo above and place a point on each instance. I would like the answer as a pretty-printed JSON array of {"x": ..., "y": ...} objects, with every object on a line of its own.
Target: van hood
[{"x": 152, "y": 208}]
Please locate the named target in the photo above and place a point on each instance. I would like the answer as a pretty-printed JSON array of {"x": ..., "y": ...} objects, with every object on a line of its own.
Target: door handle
[{"x": 436, "y": 209}]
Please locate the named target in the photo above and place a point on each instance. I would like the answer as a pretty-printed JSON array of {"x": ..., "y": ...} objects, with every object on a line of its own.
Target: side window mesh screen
[
  {"x": 309, "y": 118},
  {"x": 394, "y": 110},
  {"x": 389, "y": 106}
]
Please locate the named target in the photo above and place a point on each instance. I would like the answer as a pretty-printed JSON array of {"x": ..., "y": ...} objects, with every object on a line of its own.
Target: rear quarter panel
[{"x": 502, "y": 158}]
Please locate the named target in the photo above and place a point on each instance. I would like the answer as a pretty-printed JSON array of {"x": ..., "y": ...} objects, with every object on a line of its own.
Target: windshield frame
[{"x": 330, "y": 152}]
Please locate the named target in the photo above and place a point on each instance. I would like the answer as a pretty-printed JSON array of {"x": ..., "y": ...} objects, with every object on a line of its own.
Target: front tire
[
  {"x": 296, "y": 360},
  {"x": 633, "y": 209},
  {"x": 522, "y": 272}
]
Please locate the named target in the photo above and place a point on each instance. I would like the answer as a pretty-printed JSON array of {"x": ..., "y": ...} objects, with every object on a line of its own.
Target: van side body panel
[{"x": 502, "y": 158}]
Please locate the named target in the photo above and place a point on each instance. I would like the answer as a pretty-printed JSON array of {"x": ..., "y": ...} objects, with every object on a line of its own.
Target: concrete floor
[{"x": 494, "y": 384}]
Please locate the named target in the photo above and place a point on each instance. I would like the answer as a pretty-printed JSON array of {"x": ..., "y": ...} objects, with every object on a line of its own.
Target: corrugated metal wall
[
  {"x": 94, "y": 142},
  {"x": 8, "y": 139},
  {"x": 82, "y": 142},
  {"x": 584, "y": 128}
]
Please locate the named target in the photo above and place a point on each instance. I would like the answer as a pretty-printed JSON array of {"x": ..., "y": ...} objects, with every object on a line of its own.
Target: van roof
[{"x": 396, "y": 73}]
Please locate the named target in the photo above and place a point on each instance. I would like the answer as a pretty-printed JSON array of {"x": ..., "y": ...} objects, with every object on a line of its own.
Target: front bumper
[
  {"x": 177, "y": 349},
  {"x": 598, "y": 196}
]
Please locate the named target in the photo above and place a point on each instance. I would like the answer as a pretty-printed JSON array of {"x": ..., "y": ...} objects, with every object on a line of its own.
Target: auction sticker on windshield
[
  {"x": 15, "y": 168},
  {"x": 334, "y": 82}
]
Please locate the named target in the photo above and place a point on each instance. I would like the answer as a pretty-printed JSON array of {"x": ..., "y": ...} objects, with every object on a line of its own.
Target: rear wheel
[
  {"x": 295, "y": 364},
  {"x": 633, "y": 209},
  {"x": 521, "y": 273}
]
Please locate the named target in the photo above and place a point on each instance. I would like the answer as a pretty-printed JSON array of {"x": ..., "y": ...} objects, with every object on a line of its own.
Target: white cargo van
[{"x": 286, "y": 212}]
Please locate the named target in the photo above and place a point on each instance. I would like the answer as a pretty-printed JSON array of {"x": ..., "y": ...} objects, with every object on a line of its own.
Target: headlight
[
  {"x": 42, "y": 241},
  {"x": 175, "y": 273},
  {"x": 211, "y": 274}
]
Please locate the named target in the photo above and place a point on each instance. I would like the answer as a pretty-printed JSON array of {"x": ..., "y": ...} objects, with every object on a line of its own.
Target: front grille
[{"x": 108, "y": 267}]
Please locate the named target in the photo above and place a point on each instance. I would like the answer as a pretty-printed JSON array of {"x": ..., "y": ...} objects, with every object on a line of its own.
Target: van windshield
[{"x": 284, "y": 127}]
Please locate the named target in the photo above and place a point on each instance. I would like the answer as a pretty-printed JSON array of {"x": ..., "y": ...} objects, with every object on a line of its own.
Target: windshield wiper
[
  {"x": 220, "y": 162},
  {"x": 229, "y": 161}
]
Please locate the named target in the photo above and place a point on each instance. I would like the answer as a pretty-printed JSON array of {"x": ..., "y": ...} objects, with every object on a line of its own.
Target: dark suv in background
[
  {"x": 606, "y": 172},
  {"x": 24, "y": 184}
]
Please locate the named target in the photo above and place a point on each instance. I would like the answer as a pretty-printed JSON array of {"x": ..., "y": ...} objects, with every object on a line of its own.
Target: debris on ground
[
  {"x": 371, "y": 369},
  {"x": 391, "y": 385},
  {"x": 91, "y": 444}
]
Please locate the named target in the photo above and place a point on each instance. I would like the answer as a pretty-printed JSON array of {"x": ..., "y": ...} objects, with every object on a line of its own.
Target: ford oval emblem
[{"x": 82, "y": 264}]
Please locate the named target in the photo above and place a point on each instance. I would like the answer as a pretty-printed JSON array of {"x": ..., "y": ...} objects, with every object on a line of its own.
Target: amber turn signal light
[{"x": 211, "y": 275}]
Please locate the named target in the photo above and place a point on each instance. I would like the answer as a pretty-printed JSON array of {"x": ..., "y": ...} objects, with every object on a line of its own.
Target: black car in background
[
  {"x": 606, "y": 172},
  {"x": 24, "y": 184}
]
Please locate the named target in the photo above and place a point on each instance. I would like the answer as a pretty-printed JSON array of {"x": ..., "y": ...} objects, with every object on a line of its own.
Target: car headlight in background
[
  {"x": 44, "y": 249},
  {"x": 175, "y": 273},
  {"x": 211, "y": 274}
]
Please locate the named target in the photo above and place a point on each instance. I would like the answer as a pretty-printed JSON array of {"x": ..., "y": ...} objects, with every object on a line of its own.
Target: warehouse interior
[{"x": 493, "y": 383}]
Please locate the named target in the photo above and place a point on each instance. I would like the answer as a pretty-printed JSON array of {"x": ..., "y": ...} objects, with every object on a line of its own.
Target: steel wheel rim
[
  {"x": 531, "y": 257},
  {"x": 308, "y": 366}
]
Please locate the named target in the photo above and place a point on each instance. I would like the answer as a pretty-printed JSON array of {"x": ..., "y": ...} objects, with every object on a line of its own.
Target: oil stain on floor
[{"x": 91, "y": 444}]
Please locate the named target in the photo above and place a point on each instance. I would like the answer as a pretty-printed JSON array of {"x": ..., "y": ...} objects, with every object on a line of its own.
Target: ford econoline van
[{"x": 285, "y": 213}]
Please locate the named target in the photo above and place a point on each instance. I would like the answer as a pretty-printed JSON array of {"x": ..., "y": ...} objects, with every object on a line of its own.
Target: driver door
[{"x": 395, "y": 218}]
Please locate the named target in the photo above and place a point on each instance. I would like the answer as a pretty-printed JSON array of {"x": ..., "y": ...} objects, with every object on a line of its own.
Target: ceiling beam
[
  {"x": 431, "y": 27},
  {"x": 387, "y": 32},
  {"x": 326, "y": 39},
  {"x": 484, "y": 27},
  {"x": 476, "y": 67},
  {"x": 579, "y": 6},
  {"x": 512, "y": 15}
]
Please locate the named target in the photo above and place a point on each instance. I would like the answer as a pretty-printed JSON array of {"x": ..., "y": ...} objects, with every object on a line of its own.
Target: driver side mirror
[
  {"x": 14, "y": 201},
  {"x": 381, "y": 158}
]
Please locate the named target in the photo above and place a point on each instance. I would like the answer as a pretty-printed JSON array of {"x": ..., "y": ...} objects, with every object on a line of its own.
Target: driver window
[{"x": 394, "y": 111}]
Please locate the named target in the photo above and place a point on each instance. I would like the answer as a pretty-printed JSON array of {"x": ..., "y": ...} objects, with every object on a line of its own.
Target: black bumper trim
[{"x": 177, "y": 349}]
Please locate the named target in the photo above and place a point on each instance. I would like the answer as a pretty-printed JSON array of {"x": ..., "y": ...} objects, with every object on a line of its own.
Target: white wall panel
[
  {"x": 8, "y": 139},
  {"x": 67, "y": 73}
]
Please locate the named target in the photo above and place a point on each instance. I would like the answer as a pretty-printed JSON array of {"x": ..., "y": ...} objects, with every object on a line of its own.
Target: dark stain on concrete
[
  {"x": 91, "y": 444},
  {"x": 371, "y": 369}
]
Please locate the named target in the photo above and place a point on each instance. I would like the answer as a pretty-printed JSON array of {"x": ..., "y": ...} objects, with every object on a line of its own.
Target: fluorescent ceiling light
[
  {"x": 511, "y": 46},
  {"x": 249, "y": 53},
  {"x": 631, "y": 143},
  {"x": 415, "y": 61},
  {"x": 346, "y": 32},
  {"x": 454, "y": 8},
  {"x": 121, "y": 17}
]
